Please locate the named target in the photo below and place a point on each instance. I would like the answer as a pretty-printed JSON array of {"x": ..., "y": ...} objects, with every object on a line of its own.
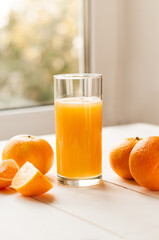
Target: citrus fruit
[
  {"x": 8, "y": 169},
  {"x": 23, "y": 148},
  {"x": 144, "y": 163},
  {"x": 29, "y": 181},
  {"x": 119, "y": 156}
]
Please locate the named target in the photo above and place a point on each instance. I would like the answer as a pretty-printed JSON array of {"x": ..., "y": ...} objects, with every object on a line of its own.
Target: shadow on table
[
  {"x": 101, "y": 186},
  {"x": 120, "y": 181},
  {"x": 130, "y": 182},
  {"x": 44, "y": 198},
  {"x": 7, "y": 191}
]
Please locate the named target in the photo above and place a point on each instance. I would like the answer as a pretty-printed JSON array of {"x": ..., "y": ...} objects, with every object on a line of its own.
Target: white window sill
[{"x": 33, "y": 120}]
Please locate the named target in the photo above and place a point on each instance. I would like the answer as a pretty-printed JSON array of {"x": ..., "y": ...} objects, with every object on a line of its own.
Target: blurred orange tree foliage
[{"x": 37, "y": 41}]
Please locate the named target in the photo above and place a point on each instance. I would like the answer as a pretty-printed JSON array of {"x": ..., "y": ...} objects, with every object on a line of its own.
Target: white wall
[{"x": 125, "y": 49}]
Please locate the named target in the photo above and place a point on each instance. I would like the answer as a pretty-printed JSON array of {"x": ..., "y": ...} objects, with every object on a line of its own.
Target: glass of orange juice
[{"x": 78, "y": 124}]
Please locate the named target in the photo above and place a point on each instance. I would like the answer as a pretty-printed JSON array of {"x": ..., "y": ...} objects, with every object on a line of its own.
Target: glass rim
[{"x": 77, "y": 75}]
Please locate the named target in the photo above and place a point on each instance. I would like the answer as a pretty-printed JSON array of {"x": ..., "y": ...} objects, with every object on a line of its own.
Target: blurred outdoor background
[{"x": 37, "y": 40}]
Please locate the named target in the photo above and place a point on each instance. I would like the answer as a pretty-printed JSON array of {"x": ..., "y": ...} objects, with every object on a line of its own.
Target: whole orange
[
  {"x": 23, "y": 148},
  {"x": 144, "y": 163},
  {"x": 119, "y": 156}
]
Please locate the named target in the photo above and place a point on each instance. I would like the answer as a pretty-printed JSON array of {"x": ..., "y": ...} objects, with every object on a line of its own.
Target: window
[{"x": 37, "y": 39}]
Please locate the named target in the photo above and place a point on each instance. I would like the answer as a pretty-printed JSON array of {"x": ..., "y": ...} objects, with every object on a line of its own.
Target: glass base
[{"x": 75, "y": 182}]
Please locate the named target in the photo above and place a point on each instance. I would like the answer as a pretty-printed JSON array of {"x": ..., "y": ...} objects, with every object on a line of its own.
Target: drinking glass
[{"x": 78, "y": 124}]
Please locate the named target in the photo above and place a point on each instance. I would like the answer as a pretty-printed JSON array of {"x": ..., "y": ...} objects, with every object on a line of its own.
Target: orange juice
[{"x": 79, "y": 137}]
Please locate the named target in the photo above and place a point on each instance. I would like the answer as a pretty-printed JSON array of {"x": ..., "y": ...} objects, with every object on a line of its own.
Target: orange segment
[
  {"x": 29, "y": 181},
  {"x": 8, "y": 170}
]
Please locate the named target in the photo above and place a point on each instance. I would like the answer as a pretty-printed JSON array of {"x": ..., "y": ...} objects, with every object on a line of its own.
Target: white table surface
[{"x": 116, "y": 209}]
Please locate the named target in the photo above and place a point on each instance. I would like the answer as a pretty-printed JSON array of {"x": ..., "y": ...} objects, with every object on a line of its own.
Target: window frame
[{"x": 39, "y": 120}]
